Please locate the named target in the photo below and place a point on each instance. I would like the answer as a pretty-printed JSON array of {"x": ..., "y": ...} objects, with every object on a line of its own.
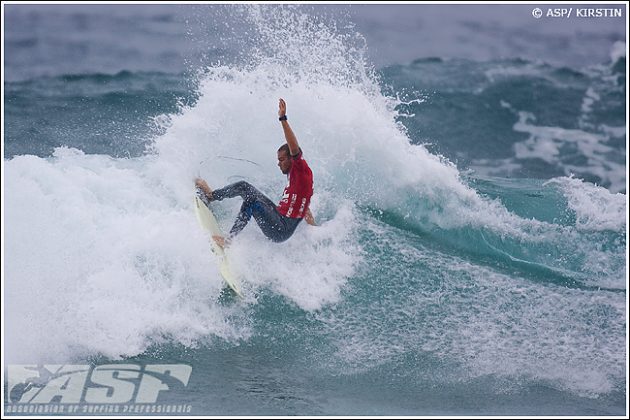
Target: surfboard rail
[{"x": 209, "y": 223}]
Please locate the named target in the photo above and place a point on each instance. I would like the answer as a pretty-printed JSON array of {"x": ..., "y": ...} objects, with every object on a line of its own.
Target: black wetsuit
[{"x": 274, "y": 225}]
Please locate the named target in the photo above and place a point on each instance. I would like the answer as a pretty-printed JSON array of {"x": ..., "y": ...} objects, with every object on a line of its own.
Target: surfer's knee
[
  {"x": 243, "y": 186},
  {"x": 247, "y": 191}
]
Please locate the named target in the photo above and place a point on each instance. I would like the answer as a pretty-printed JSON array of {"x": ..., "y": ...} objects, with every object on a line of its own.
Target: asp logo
[{"x": 104, "y": 384}]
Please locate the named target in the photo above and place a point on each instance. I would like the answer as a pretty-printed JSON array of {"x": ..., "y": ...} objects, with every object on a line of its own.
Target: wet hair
[{"x": 285, "y": 149}]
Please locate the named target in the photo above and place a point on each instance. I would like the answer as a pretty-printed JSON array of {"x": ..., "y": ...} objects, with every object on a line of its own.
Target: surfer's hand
[{"x": 282, "y": 108}]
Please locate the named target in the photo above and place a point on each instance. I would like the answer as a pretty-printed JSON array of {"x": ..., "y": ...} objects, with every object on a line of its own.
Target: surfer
[{"x": 277, "y": 222}]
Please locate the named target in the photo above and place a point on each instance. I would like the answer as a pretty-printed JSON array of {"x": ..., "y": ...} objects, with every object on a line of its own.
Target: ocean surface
[{"x": 470, "y": 185}]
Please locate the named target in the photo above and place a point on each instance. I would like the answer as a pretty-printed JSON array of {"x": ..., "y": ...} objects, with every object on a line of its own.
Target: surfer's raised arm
[{"x": 294, "y": 147}]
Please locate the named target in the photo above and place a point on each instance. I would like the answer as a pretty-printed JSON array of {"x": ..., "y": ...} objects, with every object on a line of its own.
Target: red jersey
[{"x": 299, "y": 190}]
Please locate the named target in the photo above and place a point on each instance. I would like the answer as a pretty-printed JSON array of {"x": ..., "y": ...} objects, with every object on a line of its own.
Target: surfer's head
[{"x": 284, "y": 159}]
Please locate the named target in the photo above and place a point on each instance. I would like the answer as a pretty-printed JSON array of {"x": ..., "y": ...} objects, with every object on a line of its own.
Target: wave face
[{"x": 471, "y": 253}]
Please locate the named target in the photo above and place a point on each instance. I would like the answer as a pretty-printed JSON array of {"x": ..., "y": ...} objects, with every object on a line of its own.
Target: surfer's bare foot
[
  {"x": 203, "y": 186},
  {"x": 220, "y": 240}
]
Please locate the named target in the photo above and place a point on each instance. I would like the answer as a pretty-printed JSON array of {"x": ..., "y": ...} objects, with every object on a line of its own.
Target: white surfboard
[{"x": 209, "y": 223}]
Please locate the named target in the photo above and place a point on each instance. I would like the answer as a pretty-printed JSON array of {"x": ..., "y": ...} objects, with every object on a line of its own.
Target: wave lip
[{"x": 596, "y": 209}]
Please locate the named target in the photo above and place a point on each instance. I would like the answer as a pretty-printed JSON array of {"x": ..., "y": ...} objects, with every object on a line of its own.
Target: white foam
[
  {"x": 595, "y": 207},
  {"x": 485, "y": 322},
  {"x": 570, "y": 339},
  {"x": 617, "y": 132},
  {"x": 590, "y": 97},
  {"x": 101, "y": 260},
  {"x": 617, "y": 51},
  {"x": 310, "y": 270},
  {"x": 545, "y": 143},
  {"x": 104, "y": 259},
  {"x": 536, "y": 69}
]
